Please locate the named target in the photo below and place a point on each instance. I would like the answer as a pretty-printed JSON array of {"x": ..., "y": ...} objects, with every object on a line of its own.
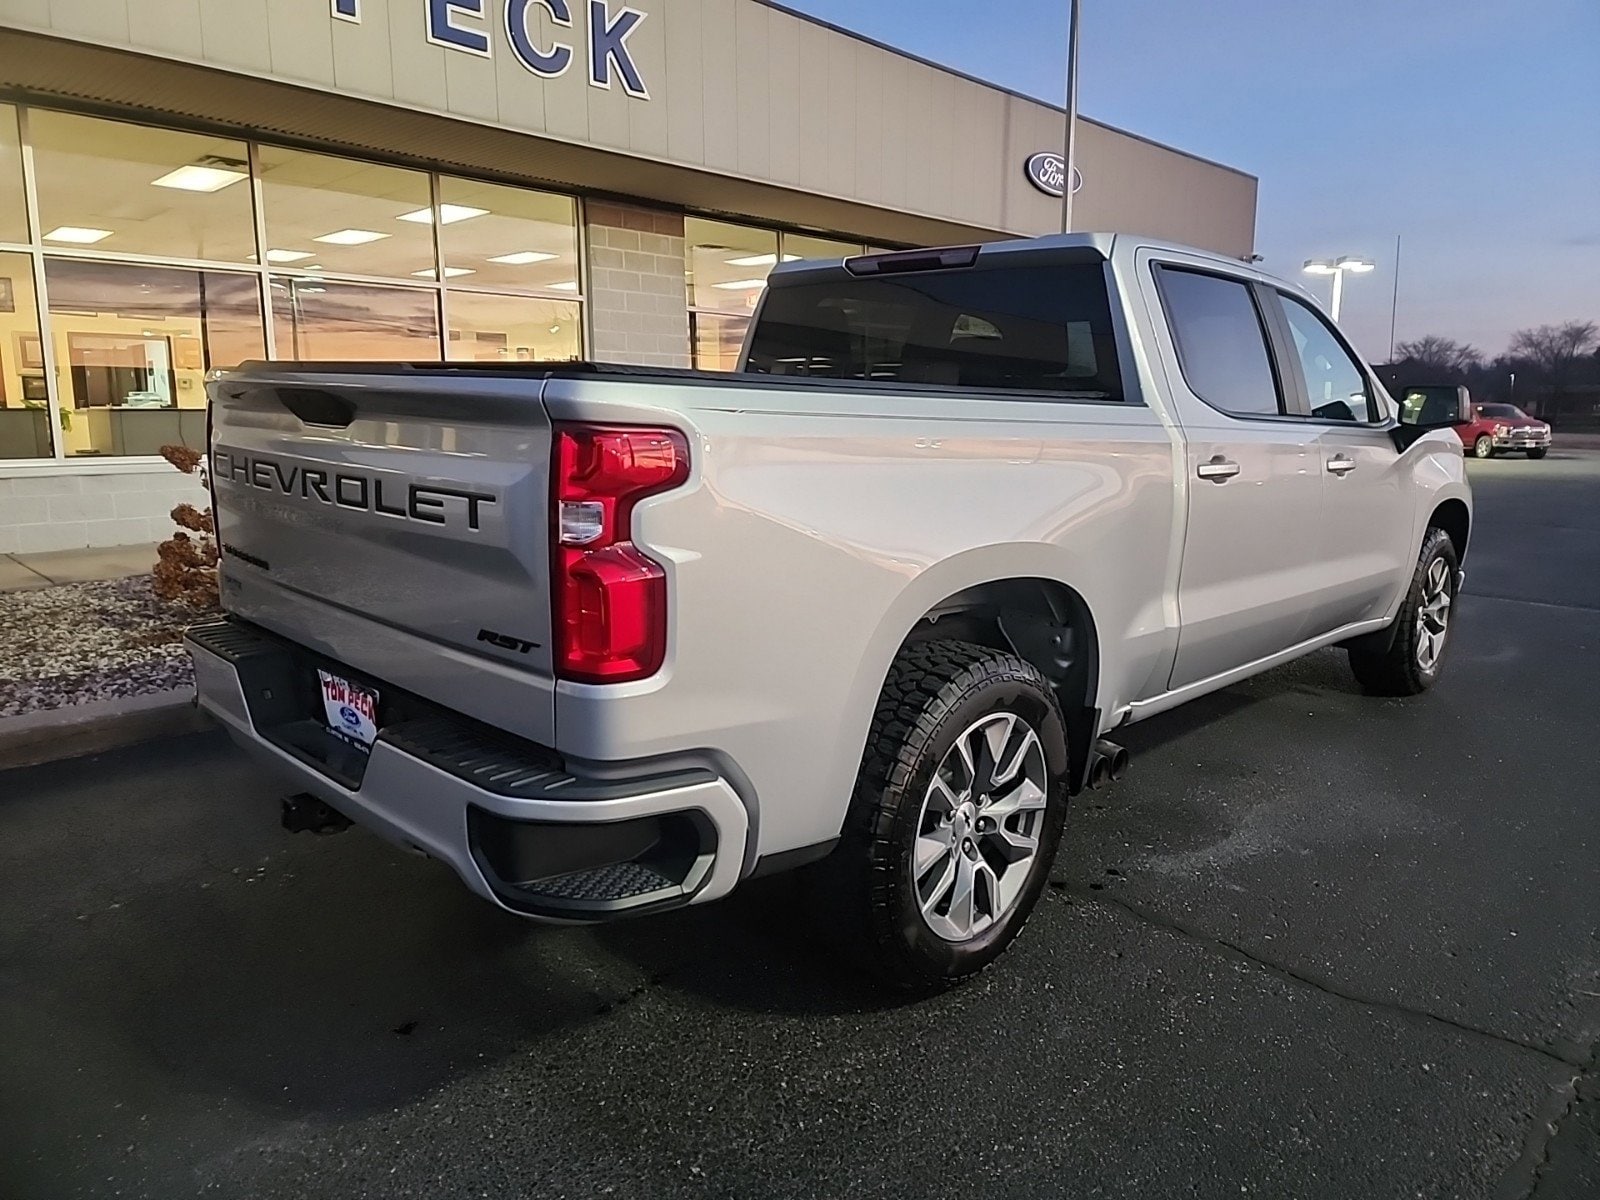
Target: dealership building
[{"x": 187, "y": 184}]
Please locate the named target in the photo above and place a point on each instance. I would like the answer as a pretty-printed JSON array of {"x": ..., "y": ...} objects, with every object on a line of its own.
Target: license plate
[{"x": 350, "y": 709}]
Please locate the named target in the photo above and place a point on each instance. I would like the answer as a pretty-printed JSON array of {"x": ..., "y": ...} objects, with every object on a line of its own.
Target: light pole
[
  {"x": 1070, "y": 148},
  {"x": 1338, "y": 268}
]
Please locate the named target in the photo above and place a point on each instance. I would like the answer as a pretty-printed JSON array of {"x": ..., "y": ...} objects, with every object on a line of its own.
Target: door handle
[
  {"x": 1339, "y": 464},
  {"x": 1218, "y": 470}
]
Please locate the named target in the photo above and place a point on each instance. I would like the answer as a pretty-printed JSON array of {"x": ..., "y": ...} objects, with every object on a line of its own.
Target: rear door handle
[
  {"x": 1340, "y": 465},
  {"x": 1218, "y": 470}
]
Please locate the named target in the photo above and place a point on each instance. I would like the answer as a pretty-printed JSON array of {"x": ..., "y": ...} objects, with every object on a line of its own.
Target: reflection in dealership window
[
  {"x": 507, "y": 239},
  {"x": 132, "y": 346},
  {"x": 491, "y": 328},
  {"x": 131, "y": 189},
  {"x": 328, "y": 319},
  {"x": 727, "y": 267},
  {"x": 323, "y": 212}
]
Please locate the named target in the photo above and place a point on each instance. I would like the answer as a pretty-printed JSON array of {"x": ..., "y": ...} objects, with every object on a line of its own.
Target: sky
[{"x": 1470, "y": 129}]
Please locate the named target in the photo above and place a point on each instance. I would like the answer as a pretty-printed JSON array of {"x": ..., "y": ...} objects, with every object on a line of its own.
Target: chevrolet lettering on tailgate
[{"x": 349, "y": 489}]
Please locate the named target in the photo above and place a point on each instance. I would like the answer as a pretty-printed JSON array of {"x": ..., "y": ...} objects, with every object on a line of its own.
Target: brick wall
[
  {"x": 69, "y": 512},
  {"x": 637, "y": 299}
]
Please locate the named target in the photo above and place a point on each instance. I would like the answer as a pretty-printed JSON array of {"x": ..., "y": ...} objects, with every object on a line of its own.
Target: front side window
[
  {"x": 1336, "y": 386},
  {"x": 1221, "y": 343},
  {"x": 1015, "y": 328}
]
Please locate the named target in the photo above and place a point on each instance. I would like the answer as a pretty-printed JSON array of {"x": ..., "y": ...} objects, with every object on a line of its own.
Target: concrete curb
[{"x": 83, "y": 729}]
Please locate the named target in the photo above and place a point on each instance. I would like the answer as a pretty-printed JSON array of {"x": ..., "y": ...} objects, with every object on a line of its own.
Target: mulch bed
[{"x": 79, "y": 642}]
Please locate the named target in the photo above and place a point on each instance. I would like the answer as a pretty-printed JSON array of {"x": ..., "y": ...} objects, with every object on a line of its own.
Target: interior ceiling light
[
  {"x": 760, "y": 260},
  {"x": 350, "y": 237},
  {"x": 200, "y": 177},
  {"x": 449, "y": 214},
  {"x": 449, "y": 273},
  {"x": 77, "y": 234},
  {"x": 741, "y": 285},
  {"x": 523, "y": 257},
  {"x": 569, "y": 286},
  {"x": 287, "y": 256}
]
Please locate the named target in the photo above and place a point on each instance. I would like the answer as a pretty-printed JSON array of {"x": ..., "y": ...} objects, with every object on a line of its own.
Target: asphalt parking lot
[{"x": 1316, "y": 945}]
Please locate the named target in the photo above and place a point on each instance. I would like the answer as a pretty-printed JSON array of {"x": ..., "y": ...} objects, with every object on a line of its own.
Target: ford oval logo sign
[{"x": 1047, "y": 171}]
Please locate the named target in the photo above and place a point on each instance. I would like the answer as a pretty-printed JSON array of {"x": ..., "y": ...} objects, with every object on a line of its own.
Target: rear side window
[
  {"x": 1020, "y": 329},
  {"x": 1222, "y": 345}
]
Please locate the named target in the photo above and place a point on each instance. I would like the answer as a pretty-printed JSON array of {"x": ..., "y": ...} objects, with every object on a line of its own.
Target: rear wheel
[
  {"x": 1538, "y": 453},
  {"x": 956, "y": 814},
  {"x": 1483, "y": 447},
  {"x": 1411, "y": 662}
]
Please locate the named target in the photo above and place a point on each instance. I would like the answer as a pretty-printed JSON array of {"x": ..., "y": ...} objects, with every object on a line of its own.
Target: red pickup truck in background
[
  {"x": 1494, "y": 427},
  {"x": 1499, "y": 427}
]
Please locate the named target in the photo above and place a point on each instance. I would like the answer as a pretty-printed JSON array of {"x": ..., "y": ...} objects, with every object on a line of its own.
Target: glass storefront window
[
  {"x": 504, "y": 237},
  {"x": 489, "y": 328},
  {"x": 130, "y": 189},
  {"x": 132, "y": 346},
  {"x": 327, "y": 319},
  {"x": 13, "y": 208},
  {"x": 342, "y": 215},
  {"x": 718, "y": 339},
  {"x": 727, "y": 264},
  {"x": 24, "y": 406},
  {"x": 798, "y": 245}
]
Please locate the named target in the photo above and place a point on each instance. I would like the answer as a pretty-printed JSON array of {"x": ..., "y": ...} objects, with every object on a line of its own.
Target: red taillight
[{"x": 609, "y": 598}]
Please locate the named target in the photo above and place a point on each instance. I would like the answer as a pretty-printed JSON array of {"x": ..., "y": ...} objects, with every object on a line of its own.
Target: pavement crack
[
  {"x": 1522, "y": 1181},
  {"x": 1241, "y": 953}
]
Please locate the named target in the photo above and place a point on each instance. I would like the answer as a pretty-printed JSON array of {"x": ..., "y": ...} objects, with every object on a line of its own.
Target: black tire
[
  {"x": 1538, "y": 453},
  {"x": 936, "y": 690},
  {"x": 1483, "y": 447},
  {"x": 1400, "y": 670}
]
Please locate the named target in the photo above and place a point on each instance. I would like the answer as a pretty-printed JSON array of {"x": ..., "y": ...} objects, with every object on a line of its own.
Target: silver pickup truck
[{"x": 611, "y": 640}]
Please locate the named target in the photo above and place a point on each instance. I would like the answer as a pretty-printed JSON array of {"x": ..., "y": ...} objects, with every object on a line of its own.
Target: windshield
[{"x": 1503, "y": 411}]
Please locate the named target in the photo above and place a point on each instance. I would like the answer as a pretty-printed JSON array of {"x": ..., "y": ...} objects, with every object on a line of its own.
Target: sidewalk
[
  {"x": 24, "y": 572},
  {"x": 90, "y": 657}
]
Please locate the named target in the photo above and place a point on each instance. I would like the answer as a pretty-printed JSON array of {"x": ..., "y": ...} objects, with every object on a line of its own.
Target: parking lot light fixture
[{"x": 1338, "y": 268}]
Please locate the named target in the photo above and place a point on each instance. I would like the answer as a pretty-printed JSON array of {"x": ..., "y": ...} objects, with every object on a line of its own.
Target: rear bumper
[{"x": 518, "y": 827}]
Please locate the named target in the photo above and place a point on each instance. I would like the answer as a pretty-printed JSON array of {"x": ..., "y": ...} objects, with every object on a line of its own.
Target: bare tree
[
  {"x": 1443, "y": 355},
  {"x": 1554, "y": 349}
]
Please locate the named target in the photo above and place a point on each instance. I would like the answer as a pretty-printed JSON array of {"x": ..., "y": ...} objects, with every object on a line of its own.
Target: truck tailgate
[{"x": 394, "y": 519}]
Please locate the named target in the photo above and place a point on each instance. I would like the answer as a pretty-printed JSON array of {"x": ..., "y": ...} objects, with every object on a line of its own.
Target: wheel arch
[
  {"x": 1034, "y": 614},
  {"x": 1454, "y": 517}
]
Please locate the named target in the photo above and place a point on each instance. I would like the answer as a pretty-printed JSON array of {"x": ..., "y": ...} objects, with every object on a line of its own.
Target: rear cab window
[{"x": 1042, "y": 328}]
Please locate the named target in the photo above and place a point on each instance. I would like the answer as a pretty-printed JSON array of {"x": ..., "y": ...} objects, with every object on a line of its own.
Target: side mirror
[{"x": 1424, "y": 409}]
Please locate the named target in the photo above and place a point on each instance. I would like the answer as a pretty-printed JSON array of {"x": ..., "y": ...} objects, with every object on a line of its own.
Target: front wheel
[
  {"x": 1410, "y": 663},
  {"x": 1538, "y": 453},
  {"x": 1483, "y": 447},
  {"x": 956, "y": 814}
]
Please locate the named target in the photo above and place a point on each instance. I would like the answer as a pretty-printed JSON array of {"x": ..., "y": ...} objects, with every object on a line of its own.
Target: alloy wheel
[
  {"x": 979, "y": 828},
  {"x": 1433, "y": 614}
]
